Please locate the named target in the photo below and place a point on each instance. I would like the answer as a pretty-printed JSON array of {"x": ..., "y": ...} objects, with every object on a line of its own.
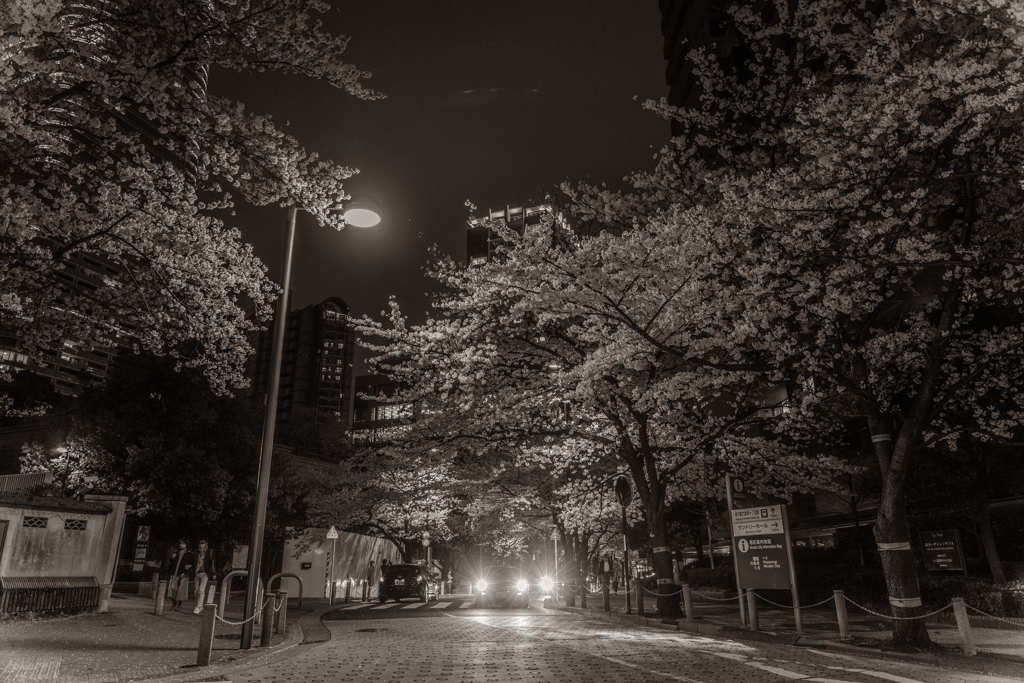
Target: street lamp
[{"x": 364, "y": 213}]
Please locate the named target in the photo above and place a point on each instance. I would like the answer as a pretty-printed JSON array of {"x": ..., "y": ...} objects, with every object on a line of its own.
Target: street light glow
[{"x": 362, "y": 211}]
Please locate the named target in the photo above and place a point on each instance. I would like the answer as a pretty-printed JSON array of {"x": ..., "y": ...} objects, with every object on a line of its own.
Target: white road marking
[
  {"x": 343, "y": 609},
  {"x": 412, "y": 606},
  {"x": 466, "y": 604},
  {"x": 674, "y": 677},
  {"x": 878, "y": 674},
  {"x": 441, "y": 605},
  {"x": 387, "y": 605},
  {"x": 777, "y": 671}
]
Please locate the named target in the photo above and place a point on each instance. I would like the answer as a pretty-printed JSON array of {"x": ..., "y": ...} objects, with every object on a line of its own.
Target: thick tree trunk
[
  {"x": 668, "y": 601},
  {"x": 900, "y": 569},
  {"x": 982, "y": 518}
]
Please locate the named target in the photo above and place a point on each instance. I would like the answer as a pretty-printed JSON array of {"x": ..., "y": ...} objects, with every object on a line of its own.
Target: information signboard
[
  {"x": 240, "y": 557},
  {"x": 762, "y": 558},
  {"x": 141, "y": 548},
  {"x": 942, "y": 550}
]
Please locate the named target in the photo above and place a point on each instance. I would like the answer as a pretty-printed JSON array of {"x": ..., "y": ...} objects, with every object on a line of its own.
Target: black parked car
[
  {"x": 502, "y": 586},
  {"x": 407, "y": 581}
]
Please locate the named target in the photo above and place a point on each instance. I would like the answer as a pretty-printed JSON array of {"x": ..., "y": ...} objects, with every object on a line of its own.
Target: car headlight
[
  {"x": 481, "y": 585},
  {"x": 547, "y": 583},
  {"x": 522, "y": 586}
]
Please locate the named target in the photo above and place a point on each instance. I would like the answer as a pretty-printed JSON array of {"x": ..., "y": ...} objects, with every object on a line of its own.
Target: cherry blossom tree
[
  {"x": 519, "y": 361},
  {"x": 850, "y": 195},
  {"x": 114, "y": 155}
]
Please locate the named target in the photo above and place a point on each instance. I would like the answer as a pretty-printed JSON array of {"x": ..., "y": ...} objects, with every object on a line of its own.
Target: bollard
[
  {"x": 161, "y": 589},
  {"x": 267, "y": 632},
  {"x": 583, "y": 594},
  {"x": 688, "y": 602},
  {"x": 281, "y": 620},
  {"x": 156, "y": 584},
  {"x": 963, "y": 624},
  {"x": 639, "y": 599},
  {"x": 206, "y": 635},
  {"x": 211, "y": 593},
  {"x": 105, "y": 591},
  {"x": 752, "y": 609},
  {"x": 570, "y": 595},
  {"x": 348, "y": 590},
  {"x": 607, "y": 596},
  {"x": 841, "y": 616}
]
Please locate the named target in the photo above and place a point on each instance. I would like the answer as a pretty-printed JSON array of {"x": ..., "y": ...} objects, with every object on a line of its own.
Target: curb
[
  {"x": 306, "y": 630},
  {"x": 984, "y": 662}
]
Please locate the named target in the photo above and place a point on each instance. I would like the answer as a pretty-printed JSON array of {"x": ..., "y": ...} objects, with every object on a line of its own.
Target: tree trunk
[
  {"x": 900, "y": 569},
  {"x": 668, "y": 602},
  {"x": 982, "y": 518}
]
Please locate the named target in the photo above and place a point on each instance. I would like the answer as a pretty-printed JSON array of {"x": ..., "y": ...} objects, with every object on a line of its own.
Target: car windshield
[
  {"x": 402, "y": 571},
  {"x": 502, "y": 575}
]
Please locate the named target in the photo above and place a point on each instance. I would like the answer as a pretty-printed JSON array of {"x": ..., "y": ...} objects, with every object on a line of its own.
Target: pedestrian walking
[
  {"x": 615, "y": 585},
  {"x": 371, "y": 572},
  {"x": 177, "y": 568},
  {"x": 205, "y": 571}
]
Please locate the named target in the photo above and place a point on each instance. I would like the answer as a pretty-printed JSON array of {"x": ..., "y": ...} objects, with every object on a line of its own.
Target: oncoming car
[
  {"x": 407, "y": 581},
  {"x": 502, "y": 586}
]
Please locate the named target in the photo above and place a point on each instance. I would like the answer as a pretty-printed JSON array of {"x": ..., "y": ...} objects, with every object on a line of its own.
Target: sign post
[
  {"x": 733, "y": 494},
  {"x": 942, "y": 551},
  {"x": 333, "y": 535},
  {"x": 762, "y": 549}
]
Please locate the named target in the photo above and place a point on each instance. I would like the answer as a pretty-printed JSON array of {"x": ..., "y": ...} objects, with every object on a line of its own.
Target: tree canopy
[{"x": 115, "y": 158}]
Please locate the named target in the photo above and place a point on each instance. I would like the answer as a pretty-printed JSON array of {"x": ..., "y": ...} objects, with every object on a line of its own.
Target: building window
[
  {"x": 74, "y": 524},
  {"x": 34, "y": 522}
]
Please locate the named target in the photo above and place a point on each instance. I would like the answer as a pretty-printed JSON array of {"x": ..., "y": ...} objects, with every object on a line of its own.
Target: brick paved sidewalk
[{"x": 129, "y": 643}]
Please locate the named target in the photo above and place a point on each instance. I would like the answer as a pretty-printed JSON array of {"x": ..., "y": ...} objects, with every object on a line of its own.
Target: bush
[{"x": 1005, "y": 600}]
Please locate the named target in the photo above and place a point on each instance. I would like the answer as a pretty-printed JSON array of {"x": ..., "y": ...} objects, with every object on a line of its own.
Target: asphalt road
[{"x": 449, "y": 643}]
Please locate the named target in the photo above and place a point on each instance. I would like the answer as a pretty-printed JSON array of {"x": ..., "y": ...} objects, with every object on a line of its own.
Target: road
[{"x": 449, "y": 643}]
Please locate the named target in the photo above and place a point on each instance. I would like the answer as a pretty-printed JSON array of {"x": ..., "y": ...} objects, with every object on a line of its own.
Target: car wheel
[{"x": 383, "y": 599}]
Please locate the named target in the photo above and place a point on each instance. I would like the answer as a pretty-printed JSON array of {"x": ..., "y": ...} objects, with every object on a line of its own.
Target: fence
[{"x": 24, "y": 595}]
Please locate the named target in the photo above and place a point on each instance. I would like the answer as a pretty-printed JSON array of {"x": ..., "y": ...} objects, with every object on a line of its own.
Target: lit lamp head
[{"x": 362, "y": 211}]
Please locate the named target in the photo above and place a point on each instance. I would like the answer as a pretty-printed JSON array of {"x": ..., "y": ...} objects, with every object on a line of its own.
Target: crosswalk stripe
[
  {"x": 467, "y": 603},
  {"x": 386, "y": 606},
  {"x": 412, "y": 606},
  {"x": 441, "y": 605},
  {"x": 355, "y": 607}
]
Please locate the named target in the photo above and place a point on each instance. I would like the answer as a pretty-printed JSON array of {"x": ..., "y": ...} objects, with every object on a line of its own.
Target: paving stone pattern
[{"x": 537, "y": 645}]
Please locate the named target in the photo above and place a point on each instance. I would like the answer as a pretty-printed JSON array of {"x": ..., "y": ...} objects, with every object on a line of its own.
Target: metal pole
[
  {"x": 555, "y": 539},
  {"x": 625, "y": 560},
  {"x": 263, "y": 485},
  {"x": 735, "y": 553},
  {"x": 334, "y": 561},
  {"x": 797, "y": 614}
]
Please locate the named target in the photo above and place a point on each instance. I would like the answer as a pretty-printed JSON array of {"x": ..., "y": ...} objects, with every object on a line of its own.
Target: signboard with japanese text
[
  {"x": 141, "y": 548},
  {"x": 762, "y": 558},
  {"x": 240, "y": 557},
  {"x": 942, "y": 550}
]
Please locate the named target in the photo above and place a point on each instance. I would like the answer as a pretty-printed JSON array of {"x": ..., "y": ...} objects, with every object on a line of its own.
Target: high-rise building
[
  {"x": 316, "y": 364},
  {"x": 482, "y": 241},
  {"x": 374, "y": 417}
]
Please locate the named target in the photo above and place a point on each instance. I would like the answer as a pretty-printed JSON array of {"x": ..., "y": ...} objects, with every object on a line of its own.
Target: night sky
[{"x": 491, "y": 102}]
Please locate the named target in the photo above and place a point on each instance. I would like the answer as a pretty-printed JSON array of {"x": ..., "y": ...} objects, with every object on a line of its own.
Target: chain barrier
[
  {"x": 662, "y": 595},
  {"x": 990, "y": 616},
  {"x": 888, "y": 616},
  {"x": 708, "y": 597},
  {"x": 817, "y": 604},
  {"x": 240, "y": 623}
]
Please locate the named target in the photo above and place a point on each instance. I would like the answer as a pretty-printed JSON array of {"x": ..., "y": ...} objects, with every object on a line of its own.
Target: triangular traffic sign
[{"x": 333, "y": 533}]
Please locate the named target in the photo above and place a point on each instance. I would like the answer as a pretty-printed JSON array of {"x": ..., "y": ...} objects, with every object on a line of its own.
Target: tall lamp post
[
  {"x": 362, "y": 211},
  {"x": 624, "y": 494}
]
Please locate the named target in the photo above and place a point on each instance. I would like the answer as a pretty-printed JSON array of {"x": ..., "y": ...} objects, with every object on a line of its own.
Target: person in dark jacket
[{"x": 178, "y": 568}]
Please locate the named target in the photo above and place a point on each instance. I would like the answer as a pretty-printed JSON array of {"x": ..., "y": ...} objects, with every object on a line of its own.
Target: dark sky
[{"x": 487, "y": 101}]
